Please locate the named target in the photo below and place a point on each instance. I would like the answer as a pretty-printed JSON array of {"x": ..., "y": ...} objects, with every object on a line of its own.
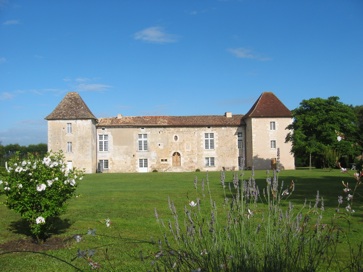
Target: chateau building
[{"x": 171, "y": 143}]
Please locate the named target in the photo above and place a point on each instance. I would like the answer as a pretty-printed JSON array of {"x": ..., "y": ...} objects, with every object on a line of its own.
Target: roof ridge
[
  {"x": 268, "y": 105},
  {"x": 72, "y": 107}
]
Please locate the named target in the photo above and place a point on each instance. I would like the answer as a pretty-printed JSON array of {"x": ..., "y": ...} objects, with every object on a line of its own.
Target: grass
[{"x": 129, "y": 201}]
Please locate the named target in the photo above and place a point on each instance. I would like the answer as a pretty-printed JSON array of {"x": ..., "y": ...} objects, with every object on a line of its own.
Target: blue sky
[{"x": 185, "y": 57}]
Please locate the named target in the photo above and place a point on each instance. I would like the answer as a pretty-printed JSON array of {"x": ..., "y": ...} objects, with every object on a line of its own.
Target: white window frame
[
  {"x": 272, "y": 125},
  {"x": 104, "y": 164},
  {"x": 209, "y": 140},
  {"x": 69, "y": 128},
  {"x": 209, "y": 161},
  {"x": 143, "y": 165},
  {"x": 142, "y": 142},
  {"x": 102, "y": 142},
  {"x": 273, "y": 144},
  {"x": 69, "y": 147}
]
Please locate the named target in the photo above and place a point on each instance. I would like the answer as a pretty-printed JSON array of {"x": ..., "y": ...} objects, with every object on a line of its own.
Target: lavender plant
[
  {"x": 249, "y": 231},
  {"x": 355, "y": 262},
  {"x": 38, "y": 188}
]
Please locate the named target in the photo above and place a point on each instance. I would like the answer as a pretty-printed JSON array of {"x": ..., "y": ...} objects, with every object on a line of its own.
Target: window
[
  {"x": 69, "y": 128},
  {"x": 69, "y": 147},
  {"x": 103, "y": 142},
  {"x": 273, "y": 144},
  {"x": 209, "y": 140},
  {"x": 103, "y": 164},
  {"x": 143, "y": 163},
  {"x": 240, "y": 140},
  {"x": 272, "y": 125},
  {"x": 142, "y": 142},
  {"x": 209, "y": 161},
  {"x": 240, "y": 144}
]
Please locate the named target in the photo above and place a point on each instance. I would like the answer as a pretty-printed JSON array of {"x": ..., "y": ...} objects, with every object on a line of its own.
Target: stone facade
[{"x": 171, "y": 143}]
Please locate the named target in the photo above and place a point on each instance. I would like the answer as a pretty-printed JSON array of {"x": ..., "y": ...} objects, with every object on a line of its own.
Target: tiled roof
[
  {"x": 171, "y": 121},
  {"x": 268, "y": 105},
  {"x": 71, "y": 107}
]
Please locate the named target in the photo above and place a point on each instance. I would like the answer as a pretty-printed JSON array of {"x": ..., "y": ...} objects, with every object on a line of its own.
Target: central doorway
[{"x": 176, "y": 159}]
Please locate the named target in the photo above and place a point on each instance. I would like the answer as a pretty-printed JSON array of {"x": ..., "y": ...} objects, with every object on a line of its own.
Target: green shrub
[
  {"x": 38, "y": 189},
  {"x": 249, "y": 231}
]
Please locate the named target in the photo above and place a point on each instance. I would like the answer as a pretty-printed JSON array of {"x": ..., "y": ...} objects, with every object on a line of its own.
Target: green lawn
[{"x": 129, "y": 200}]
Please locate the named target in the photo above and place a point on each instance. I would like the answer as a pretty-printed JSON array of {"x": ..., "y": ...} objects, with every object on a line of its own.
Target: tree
[
  {"x": 317, "y": 126},
  {"x": 359, "y": 113}
]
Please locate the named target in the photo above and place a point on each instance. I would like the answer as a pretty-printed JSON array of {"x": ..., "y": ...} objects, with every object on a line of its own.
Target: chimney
[{"x": 228, "y": 114}]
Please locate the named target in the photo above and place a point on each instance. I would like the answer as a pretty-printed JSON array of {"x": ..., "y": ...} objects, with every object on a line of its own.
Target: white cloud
[
  {"x": 25, "y": 132},
  {"x": 11, "y": 22},
  {"x": 85, "y": 84},
  {"x": 155, "y": 34},
  {"x": 82, "y": 79},
  {"x": 6, "y": 96},
  {"x": 92, "y": 87},
  {"x": 245, "y": 53}
]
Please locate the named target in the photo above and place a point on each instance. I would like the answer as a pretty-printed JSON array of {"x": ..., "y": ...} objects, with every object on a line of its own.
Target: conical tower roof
[
  {"x": 268, "y": 105},
  {"x": 72, "y": 107}
]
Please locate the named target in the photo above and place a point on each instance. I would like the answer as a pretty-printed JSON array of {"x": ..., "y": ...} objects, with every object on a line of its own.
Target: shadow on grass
[
  {"x": 58, "y": 226},
  {"x": 309, "y": 183}
]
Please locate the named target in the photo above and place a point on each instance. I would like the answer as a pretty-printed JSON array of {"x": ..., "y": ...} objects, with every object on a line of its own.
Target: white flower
[
  {"x": 108, "y": 222},
  {"x": 1, "y": 182},
  {"x": 6, "y": 188},
  {"x": 349, "y": 197},
  {"x": 20, "y": 186},
  {"x": 23, "y": 163},
  {"x": 46, "y": 161},
  {"x": 192, "y": 204},
  {"x": 72, "y": 182},
  {"x": 41, "y": 187},
  {"x": 49, "y": 182},
  {"x": 285, "y": 192},
  {"x": 40, "y": 220},
  {"x": 78, "y": 238}
]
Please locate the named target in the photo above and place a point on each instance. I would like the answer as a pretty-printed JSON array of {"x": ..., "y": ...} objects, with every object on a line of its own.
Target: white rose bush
[{"x": 38, "y": 188}]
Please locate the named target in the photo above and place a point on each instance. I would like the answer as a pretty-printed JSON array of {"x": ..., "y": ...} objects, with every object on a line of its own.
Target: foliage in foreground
[
  {"x": 38, "y": 188},
  {"x": 251, "y": 231},
  {"x": 116, "y": 245}
]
